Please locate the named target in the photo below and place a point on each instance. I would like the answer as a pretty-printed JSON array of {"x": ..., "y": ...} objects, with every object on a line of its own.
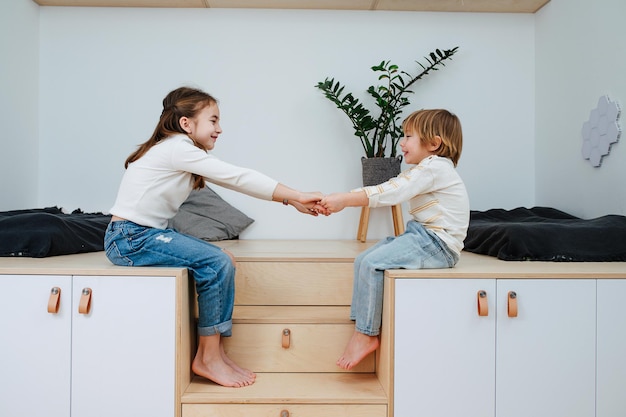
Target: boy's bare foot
[
  {"x": 218, "y": 371},
  {"x": 243, "y": 371},
  {"x": 359, "y": 346}
]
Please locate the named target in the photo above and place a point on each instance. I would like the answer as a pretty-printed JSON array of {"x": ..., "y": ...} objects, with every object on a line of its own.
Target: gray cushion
[{"x": 207, "y": 216}]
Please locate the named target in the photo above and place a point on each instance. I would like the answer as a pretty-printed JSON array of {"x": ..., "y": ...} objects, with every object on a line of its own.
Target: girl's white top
[
  {"x": 156, "y": 185},
  {"x": 437, "y": 198}
]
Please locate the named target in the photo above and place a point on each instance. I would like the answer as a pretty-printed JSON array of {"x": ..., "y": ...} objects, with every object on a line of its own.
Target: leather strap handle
[
  {"x": 286, "y": 338},
  {"x": 85, "y": 301},
  {"x": 54, "y": 301},
  {"x": 482, "y": 302},
  {"x": 512, "y": 304}
]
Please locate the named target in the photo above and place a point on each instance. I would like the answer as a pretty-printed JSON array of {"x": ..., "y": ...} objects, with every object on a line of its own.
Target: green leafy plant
[{"x": 383, "y": 132}]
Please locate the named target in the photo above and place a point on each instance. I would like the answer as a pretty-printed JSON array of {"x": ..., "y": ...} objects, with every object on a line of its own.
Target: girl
[
  {"x": 434, "y": 236},
  {"x": 159, "y": 177}
]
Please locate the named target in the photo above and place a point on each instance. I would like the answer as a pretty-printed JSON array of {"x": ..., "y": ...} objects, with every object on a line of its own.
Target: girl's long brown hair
[{"x": 182, "y": 102}]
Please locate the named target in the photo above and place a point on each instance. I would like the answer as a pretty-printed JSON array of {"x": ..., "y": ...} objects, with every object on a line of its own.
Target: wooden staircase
[{"x": 290, "y": 324}]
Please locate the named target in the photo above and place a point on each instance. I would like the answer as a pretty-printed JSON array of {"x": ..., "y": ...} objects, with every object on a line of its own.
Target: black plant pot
[{"x": 379, "y": 170}]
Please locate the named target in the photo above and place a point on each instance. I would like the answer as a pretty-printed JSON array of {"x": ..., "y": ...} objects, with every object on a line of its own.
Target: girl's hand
[
  {"x": 308, "y": 208},
  {"x": 311, "y": 197},
  {"x": 318, "y": 208}
]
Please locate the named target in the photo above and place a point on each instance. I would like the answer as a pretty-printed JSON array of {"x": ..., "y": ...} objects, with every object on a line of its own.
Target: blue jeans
[
  {"x": 129, "y": 244},
  {"x": 416, "y": 248}
]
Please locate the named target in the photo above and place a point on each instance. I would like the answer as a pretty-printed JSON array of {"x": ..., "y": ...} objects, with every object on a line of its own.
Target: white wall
[
  {"x": 104, "y": 73},
  {"x": 580, "y": 57},
  {"x": 19, "y": 37}
]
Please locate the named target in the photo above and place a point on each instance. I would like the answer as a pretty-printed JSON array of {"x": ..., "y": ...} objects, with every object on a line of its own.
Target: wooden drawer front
[
  {"x": 293, "y": 283},
  {"x": 311, "y": 347},
  {"x": 284, "y": 410}
]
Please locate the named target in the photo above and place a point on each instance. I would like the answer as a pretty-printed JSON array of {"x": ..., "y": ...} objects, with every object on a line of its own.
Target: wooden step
[
  {"x": 291, "y": 314},
  {"x": 291, "y": 388},
  {"x": 293, "y": 283},
  {"x": 288, "y": 314},
  {"x": 271, "y": 250},
  {"x": 284, "y": 410},
  {"x": 292, "y": 347},
  {"x": 292, "y": 338}
]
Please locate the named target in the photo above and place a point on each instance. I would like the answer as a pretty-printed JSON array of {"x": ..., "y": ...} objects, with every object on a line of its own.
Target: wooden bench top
[
  {"x": 92, "y": 263},
  {"x": 470, "y": 266}
]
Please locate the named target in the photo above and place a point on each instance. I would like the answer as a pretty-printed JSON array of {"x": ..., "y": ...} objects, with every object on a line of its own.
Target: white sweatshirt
[{"x": 156, "y": 185}]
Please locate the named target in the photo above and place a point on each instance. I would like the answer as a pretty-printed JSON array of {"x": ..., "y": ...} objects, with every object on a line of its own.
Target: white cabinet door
[
  {"x": 444, "y": 351},
  {"x": 545, "y": 357},
  {"x": 611, "y": 363},
  {"x": 123, "y": 350},
  {"x": 34, "y": 346}
]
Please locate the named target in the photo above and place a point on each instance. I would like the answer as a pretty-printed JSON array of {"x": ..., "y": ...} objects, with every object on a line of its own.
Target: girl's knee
[
  {"x": 225, "y": 268},
  {"x": 233, "y": 261},
  {"x": 227, "y": 263}
]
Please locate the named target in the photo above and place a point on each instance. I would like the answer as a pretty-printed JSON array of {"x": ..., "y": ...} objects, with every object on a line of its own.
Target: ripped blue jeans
[
  {"x": 416, "y": 248},
  {"x": 129, "y": 244}
]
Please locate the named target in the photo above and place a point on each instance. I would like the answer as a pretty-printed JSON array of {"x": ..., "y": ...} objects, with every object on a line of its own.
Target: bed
[
  {"x": 546, "y": 234},
  {"x": 49, "y": 231}
]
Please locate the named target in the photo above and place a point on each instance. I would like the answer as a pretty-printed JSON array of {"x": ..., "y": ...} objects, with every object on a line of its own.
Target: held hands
[
  {"x": 315, "y": 203},
  {"x": 309, "y": 204},
  {"x": 306, "y": 208}
]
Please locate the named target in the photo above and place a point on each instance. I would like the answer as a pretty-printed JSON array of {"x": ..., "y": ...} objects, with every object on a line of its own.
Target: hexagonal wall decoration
[{"x": 601, "y": 131}]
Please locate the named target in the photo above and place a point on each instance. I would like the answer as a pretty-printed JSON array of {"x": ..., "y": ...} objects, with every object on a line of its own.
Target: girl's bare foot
[
  {"x": 243, "y": 371},
  {"x": 359, "y": 346},
  {"x": 219, "y": 372},
  {"x": 210, "y": 364}
]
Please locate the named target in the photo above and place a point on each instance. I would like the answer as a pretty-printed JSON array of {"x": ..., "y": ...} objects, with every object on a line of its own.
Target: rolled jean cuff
[
  {"x": 225, "y": 329},
  {"x": 367, "y": 332}
]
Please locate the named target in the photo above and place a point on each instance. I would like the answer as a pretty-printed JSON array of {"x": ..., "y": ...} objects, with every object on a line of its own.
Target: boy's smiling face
[{"x": 414, "y": 150}]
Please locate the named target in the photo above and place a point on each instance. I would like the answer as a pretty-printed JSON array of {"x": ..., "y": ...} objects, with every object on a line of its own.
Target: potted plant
[{"x": 380, "y": 135}]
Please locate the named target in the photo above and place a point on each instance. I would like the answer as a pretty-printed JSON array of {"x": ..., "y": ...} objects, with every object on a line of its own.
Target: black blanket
[
  {"x": 38, "y": 233},
  {"x": 546, "y": 234}
]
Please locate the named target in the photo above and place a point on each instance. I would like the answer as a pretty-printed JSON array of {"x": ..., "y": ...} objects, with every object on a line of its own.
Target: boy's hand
[{"x": 333, "y": 203}]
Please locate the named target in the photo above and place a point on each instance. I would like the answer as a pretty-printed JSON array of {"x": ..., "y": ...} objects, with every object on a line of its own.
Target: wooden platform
[
  {"x": 304, "y": 287},
  {"x": 290, "y": 324},
  {"x": 292, "y": 388}
]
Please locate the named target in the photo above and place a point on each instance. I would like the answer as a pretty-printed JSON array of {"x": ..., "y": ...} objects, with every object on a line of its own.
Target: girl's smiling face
[
  {"x": 204, "y": 128},
  {"x": 415, "y": 150}
]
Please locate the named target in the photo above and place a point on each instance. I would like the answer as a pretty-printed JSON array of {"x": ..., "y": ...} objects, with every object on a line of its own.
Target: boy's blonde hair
[{"x": 437, "y": 122}]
